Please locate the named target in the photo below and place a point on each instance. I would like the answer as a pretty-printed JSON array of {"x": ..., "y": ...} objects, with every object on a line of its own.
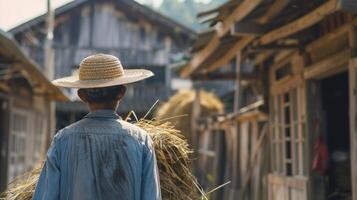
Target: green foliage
[{"x": 185, "y": 11}]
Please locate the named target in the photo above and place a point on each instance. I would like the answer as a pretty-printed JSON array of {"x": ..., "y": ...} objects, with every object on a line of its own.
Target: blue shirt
[{"x": 100, "y": 157}]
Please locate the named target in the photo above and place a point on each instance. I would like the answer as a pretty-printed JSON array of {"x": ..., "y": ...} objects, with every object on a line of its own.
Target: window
[
  {"x": 142, "y": 35},
  {"x": 160, "y": 43},
  {"x": 287, "y": 126},
  {"x": 17, "y": 153},
  {"x": 27, "y": 129}
]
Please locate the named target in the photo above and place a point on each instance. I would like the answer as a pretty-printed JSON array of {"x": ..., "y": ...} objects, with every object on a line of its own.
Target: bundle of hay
[
  {"x": 182, "y": 104},
  {"x": 172, "y": 152}
]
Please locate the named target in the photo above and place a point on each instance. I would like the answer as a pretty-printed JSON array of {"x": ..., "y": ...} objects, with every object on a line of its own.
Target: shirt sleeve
[
  {"x": 49, "y": 182},
  {"x": 150, "y": 187}
]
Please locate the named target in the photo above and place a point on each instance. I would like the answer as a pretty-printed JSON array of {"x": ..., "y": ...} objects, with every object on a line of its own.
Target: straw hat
[{"x": 102, "y": 70}]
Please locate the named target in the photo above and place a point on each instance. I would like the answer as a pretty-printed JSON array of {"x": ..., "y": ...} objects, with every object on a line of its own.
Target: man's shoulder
[
  {"x": 68, "y": 129},
  {"x": 134, "y": 130},
  {"x": 131, "y": 127},
  {"x": 119, "y": 126}
]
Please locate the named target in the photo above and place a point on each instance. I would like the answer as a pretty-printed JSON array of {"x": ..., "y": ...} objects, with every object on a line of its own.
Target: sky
[{"x": 15, "y": 12}]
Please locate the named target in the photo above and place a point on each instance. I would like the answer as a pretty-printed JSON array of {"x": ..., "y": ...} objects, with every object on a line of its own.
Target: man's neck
[{"x": 94, "y": 107}]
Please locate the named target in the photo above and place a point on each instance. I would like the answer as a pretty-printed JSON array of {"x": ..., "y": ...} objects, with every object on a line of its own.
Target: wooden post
[
  {"x": 49, "y": 68},
  {"x": 4, "y": 140},
  {"x": 196, "y": 109},
  {"x": 49, "y": 56},
  {"x": 353, "y": 109},
  {"x": 237, "y": 82},
  {"x": 235, "y": 133}
]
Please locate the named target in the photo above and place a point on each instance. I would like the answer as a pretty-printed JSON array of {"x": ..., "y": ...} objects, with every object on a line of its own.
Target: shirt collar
[{"x": 103, "y": 113}]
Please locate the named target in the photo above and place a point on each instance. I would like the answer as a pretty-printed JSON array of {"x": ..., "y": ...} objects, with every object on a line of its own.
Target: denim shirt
[{"x": 100, "y": 157}]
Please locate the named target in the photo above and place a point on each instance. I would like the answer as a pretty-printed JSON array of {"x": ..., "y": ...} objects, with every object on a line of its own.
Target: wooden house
[
  {"x": 25, "y": 96},
  {"x": 292, "y": 133},
  {"x": 139, "y": 36}
]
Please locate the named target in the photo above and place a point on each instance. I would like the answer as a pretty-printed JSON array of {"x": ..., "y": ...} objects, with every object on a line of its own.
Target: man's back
[{"x": 100, "y": 157}]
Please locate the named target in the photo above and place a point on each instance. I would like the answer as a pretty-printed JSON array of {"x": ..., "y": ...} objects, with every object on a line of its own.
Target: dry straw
[
  {"x": 172, "y": 151},
  {"x": 181, "y": 104}
]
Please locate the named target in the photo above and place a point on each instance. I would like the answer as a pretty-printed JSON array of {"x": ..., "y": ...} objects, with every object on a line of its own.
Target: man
[{"x": 100, "y": 156}]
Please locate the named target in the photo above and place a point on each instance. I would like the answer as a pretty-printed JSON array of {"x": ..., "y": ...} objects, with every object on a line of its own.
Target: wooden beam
[
  {"x": 273, "y": 48},
  {"x": 238, "y": 14},
  {"x": 248, "y": 28},
  {"x": 333, "y": 63},
  {"x": 253, "y": 115},
  {"x": 352, "y": 37},
  {"x": 231, "y": 53},
  {"x": 321, "y": 42},
  {"x": 200, "y": 57},
  {"x": 302, "y": 23},
  {"x": 215, "y": 76},
  {"x": 262, "y": 57},
  {"x": 352, "y": 72},
  {"x": 274, "y": 10}
]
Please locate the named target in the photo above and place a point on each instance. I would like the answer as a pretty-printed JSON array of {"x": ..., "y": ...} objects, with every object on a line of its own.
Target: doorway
[{"x": 335, "y": 106}]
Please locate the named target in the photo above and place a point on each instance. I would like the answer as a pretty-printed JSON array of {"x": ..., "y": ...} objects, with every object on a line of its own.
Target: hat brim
[{"x": 130, "y": 76}]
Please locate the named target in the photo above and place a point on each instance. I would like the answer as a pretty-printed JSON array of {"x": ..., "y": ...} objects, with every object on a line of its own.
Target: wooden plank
[
  {"x": 262, "y": 57},
  {"x": 196, "y": 111},
  {"x": 238, "y": 14},
  {"x": 353, "y": 130},
  {"x": 231, "y": 53},
  {"x": 237, "y": 91},
  {"x": 215, "y": 76},
  {"x": 352, "y": 72},
  {"x": 276, "y": 8},
  {"x": 247, "y": 175},
  {"x": 200, "y": 57},
  {"x": 274, "y": 47},
  {"x": 5, "y": 102},
  {"x": 320, "y": 42},
  {"x": 248, "y": 28},
  {"x": 235, "y": 155},
  {"x": 254, "y": 115},
  {"x": 327, "y": 65},
  {"x": 302, "y": 23}
]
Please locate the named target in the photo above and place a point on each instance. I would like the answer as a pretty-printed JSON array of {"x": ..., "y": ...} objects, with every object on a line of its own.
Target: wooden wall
[
  {"x": 4, "y": 138},
  {"x": 80, "y": 33},
  {"x": 23, "y": 123}
]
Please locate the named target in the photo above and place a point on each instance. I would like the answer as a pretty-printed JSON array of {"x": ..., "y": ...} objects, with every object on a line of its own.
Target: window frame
[{"x": 287, "y": 96}]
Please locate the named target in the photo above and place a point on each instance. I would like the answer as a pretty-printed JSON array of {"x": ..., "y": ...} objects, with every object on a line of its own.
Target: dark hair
[{"x": 102, "y": 95}]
